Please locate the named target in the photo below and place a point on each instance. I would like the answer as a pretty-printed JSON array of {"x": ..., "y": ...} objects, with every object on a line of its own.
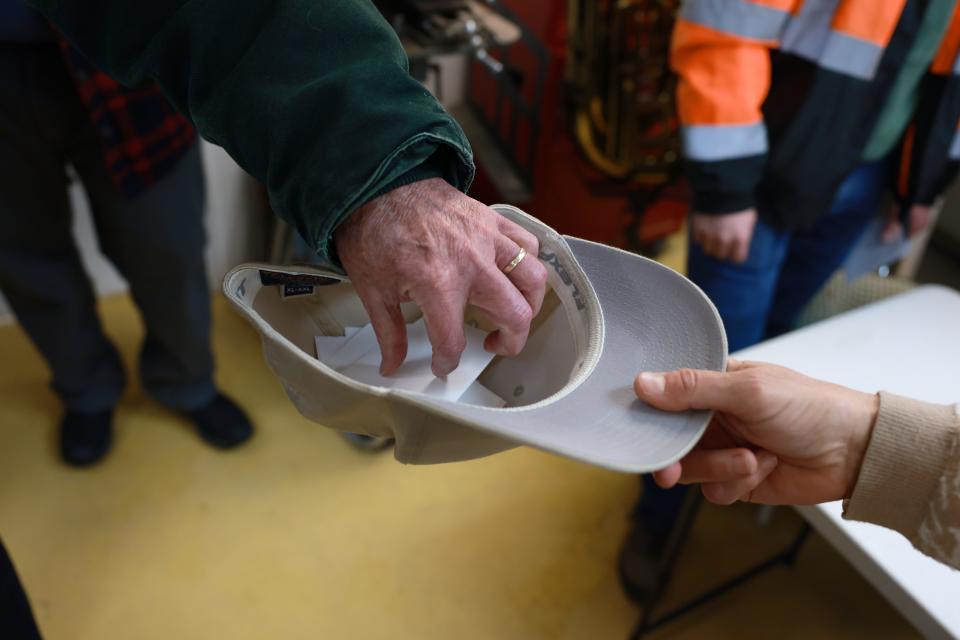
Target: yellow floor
[{"x": 299, "y": 536}]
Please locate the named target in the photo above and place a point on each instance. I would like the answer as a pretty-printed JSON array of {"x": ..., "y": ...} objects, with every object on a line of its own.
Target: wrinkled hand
[
  {"x": 918, "y": 220},
  {"x": 429, "y": 243},
  {"x": 777, "y": 437},
  {"x": 725, "y": 237}
]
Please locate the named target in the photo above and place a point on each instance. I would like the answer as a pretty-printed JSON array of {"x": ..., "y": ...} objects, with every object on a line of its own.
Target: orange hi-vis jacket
[{"x": 778, "y": 98}]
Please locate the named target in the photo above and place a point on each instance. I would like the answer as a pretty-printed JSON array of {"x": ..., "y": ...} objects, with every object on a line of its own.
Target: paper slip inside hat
[
  {"x": 609, "y": 314},
  {"x": 357, "y": 355}
]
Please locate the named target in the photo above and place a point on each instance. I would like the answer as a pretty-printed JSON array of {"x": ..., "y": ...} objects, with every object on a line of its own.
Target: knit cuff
[
  {"x": 719, "y": 202},
  {"x": 901, "y": 468}
]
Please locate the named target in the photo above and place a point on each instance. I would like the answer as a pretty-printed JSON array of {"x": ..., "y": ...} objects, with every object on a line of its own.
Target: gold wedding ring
[{"x": 516, "y": 260}]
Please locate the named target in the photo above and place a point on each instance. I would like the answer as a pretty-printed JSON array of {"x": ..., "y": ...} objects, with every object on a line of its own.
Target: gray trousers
[{"x": 155, "y": 240}]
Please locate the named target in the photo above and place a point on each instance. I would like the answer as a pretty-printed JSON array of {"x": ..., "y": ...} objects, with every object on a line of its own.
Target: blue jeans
[{"x": 763, "y": 297}]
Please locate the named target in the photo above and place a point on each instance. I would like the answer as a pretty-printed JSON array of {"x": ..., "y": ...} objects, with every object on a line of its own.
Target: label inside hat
[{"x": 292, "y": 290}]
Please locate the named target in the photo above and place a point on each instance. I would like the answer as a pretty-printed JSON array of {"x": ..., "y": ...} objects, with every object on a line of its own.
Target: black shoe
[
  {"x": 367, "y": 443},
  {"x": 640, "y": 563},
  {"x": 85, "y": 437},
  {"x": 221, "y": 423}
]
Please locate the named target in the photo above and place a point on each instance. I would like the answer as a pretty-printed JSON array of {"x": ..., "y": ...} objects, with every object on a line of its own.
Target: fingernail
[
  {"x": 443, "y": 369},
  {"x": 766, "y": 461},
  {"x": 491, "y": 344},
  {"x": 652, "y": 383}
]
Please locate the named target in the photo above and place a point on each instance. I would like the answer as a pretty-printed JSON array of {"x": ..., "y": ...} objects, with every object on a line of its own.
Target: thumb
[
  {"x": 685, "y": 389},
  {"x": 891, "y": 231}
]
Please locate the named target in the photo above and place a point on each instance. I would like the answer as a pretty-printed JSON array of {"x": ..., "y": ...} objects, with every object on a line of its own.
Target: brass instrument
[{"x": 621, "y": 89}]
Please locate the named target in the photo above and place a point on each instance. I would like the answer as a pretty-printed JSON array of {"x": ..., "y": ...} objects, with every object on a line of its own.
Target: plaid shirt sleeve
[{"x": 143, "y": 136}]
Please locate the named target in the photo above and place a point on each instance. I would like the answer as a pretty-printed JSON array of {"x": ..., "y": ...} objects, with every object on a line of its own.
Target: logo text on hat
[{"x": 554, "y": 261}]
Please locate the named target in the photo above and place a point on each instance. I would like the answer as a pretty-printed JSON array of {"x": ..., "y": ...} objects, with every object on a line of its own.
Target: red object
[
  {"x": 142, "y": 135},
  {"x": 568, "y": 194}
]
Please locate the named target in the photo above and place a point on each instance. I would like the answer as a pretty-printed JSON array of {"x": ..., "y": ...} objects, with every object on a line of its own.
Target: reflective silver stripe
[
  {"x": 736, "y": 17},
  {"x": 954, "y": 153},
  {"x": 851, "y": 56},
  {"x": 956, "y": 65},
  {"x": 806, "y": 34},
  {"x": 709, "y": 143}
]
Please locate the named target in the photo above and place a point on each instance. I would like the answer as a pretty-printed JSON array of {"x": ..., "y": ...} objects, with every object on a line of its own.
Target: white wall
[
  {"x": 453, "y": 80},
  {"x": 235, "y": 226},
  {"x": 238, "y": 220}
]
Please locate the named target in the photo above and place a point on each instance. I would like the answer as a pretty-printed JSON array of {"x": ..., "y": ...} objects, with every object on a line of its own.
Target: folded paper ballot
[
  {"x": 328, "y": 345},
  {"x": 356, "y": 354},
  {"x": 479, "y": 395},
  {"x": 353, "y": 348}
]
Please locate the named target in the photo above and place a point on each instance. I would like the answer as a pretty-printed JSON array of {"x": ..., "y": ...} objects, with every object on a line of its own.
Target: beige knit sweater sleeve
[{"x": 910, "y": 477}]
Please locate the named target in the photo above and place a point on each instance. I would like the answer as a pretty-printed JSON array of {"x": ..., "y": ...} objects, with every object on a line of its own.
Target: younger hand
[
  {"x": 726, "y": 236},
  {"x": 918, "y": 220},
  {"x": 777, "y": 437}
]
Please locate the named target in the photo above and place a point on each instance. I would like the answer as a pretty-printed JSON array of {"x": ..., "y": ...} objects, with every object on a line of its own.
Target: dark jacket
[
  {"x": 19, "y": 23},
  {"x": 778, "y": 99},
  {"x": 312, "y": 97},
  {"x": 143, "y": 138}
]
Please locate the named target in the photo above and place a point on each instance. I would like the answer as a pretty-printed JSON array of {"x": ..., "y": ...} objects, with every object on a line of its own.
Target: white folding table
[{"x": 908, "y": 344}]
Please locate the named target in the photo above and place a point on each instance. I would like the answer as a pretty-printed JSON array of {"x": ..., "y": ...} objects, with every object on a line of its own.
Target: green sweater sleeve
[{"x": 312, "y": 97}]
